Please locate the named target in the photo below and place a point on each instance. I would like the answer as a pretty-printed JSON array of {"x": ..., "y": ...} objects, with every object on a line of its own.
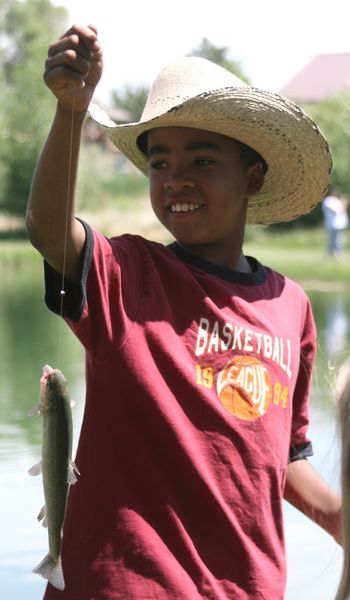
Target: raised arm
[{"x": 72, "y": 71}]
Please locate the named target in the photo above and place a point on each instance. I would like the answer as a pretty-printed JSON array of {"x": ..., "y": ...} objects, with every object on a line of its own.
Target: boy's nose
[{"x": 177, "y": 180}]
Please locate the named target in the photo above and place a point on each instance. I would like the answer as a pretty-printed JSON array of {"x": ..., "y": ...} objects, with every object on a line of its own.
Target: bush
[{"x": 105, "y": 180}]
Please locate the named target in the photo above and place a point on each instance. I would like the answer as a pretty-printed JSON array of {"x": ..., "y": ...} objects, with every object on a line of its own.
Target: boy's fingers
[
  {"x": 93, "y": 28},
  {"x": 69, "y": 43},
  {"x": 70, "y": 59},
  {"x": 73, "y": 42},
  {"x": 58, "y": 77},
  {"x": 75, "y": 60},
  {"x": 87, "y": 35}
]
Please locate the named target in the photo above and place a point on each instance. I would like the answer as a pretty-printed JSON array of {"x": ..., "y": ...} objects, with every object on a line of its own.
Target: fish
[{"x": 58, "y": 470}]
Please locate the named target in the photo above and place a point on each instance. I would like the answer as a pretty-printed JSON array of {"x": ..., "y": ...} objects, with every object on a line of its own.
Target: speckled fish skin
[{"x": 58, "y": 470}]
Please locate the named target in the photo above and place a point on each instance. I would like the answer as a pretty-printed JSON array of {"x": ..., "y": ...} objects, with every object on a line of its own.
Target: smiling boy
[
  {"x": 198, "y": 358},
  {"x": 199, "y": 191}
]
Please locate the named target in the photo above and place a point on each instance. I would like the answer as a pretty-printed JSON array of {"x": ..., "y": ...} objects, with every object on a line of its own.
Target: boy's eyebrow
[
  {"x": 157, "y": 150},
  {"x": 192, "y": 147},
  {"x": 202, "y": 146}
]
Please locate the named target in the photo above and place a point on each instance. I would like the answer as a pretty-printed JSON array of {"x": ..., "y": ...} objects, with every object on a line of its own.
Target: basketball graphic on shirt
[{"x": 244, "y": 387}]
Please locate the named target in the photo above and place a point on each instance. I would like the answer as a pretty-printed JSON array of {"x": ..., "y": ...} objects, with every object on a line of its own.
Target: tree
[
  {"x": 133, "y": 98},
  {"x": 26, "y": 106},
  {"x": 219, "y": 56},
  {"x": 333, "y": 118}
]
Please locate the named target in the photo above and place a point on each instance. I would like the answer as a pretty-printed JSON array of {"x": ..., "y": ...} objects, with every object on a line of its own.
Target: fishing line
[{"x": 65, "y": 243}]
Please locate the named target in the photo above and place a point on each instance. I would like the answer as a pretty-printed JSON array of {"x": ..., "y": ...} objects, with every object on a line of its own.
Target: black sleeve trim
[
  {"x": 74, "y": 299},
  {"x": 301, "y": 451}
]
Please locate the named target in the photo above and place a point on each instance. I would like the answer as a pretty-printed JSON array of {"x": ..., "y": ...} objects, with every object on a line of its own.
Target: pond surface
[{"x": 30, "y": 336}]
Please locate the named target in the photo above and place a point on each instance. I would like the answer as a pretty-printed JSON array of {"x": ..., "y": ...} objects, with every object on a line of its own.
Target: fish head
[
  {"x": 53, "y": 384},
  {"x": 44, "y": 379},
  {"x": 46, "y": 374}
]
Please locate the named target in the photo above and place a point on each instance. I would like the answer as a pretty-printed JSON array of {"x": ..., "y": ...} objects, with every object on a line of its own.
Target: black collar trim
[{"x": 257, "y": 276}]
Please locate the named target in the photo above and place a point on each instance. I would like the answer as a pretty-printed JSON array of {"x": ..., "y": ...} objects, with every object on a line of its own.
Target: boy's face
[{"x": 199, "y": 187}]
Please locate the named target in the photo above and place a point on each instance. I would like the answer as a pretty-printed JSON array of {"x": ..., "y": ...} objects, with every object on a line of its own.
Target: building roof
[{"x": 325, "y": 76}]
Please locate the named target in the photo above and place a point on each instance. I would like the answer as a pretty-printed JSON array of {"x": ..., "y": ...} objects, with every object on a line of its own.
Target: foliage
[
  {"x": 333, "y": 118},
  {"x": 132, "y": 99},
  {"x": 104, "y": 182},
  {"x": 311, "y": 219},
  {"x": 219, "y": 56},
  {"x": 26, "y": 30}
]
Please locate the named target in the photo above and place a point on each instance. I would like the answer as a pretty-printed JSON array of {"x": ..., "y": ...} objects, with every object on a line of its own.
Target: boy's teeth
[{"x": 185, "y": 207}]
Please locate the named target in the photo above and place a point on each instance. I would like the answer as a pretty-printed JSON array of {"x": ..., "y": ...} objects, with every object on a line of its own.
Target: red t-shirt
[{"x": 197, "y": 384}]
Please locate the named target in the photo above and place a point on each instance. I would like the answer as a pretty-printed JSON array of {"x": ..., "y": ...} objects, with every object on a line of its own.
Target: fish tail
[{"x": 51, "y": 569}]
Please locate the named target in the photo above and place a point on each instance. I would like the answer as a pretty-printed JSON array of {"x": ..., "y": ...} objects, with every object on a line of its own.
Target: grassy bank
[
  {"x": 16, "y": 254},
  {"x": 299, "y": 254}
]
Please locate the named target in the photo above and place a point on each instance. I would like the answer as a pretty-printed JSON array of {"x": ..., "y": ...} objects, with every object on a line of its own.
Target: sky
[{"x": 272, "y": 39}]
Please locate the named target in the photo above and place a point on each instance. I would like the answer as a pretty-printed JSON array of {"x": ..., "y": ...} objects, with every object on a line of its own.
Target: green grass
[
  {"x": 299, "y": 254},
  {"x": 18, "y": 254}
]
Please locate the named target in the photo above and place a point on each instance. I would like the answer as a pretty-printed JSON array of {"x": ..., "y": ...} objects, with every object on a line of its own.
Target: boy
[{"x": 198, "y": 359}]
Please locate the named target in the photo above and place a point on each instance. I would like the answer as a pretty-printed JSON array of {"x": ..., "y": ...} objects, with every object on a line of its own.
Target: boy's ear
[{"x": 256, "y": 177}]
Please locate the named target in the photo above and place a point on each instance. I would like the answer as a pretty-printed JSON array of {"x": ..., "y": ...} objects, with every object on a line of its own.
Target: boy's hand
[{"x": 74, "y": 67}]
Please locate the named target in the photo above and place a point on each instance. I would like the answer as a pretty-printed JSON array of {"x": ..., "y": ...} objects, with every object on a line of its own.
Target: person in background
[
  {"x": 334, "y": 207},
  {"x": 198, "y": 358}
]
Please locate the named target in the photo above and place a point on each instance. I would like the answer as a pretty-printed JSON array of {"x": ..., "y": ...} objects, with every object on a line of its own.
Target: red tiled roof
[{"x": 324, "y": 76}]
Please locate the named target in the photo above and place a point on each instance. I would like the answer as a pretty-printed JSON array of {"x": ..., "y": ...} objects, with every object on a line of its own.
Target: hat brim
[{"x": 297, "y": 154}]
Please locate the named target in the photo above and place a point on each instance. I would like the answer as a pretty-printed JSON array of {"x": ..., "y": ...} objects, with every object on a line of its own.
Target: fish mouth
[
  {"x": 46, "y": 373},
  {"x": 47, "y": 370},
  {"x": 185, "y": 207}
]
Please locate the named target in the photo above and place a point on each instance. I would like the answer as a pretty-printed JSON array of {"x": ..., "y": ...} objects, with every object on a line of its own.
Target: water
[{"x": 29, "y": 337}]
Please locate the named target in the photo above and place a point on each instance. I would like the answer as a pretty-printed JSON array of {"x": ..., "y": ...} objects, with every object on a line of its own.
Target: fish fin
[
  {"x": 73, "y": 471},
  {"x": 51, "y": 570},
  {"x": 42, "y": 516},
  {"x": 35, "y": 469},
  {"x": 35, "y": 411}
]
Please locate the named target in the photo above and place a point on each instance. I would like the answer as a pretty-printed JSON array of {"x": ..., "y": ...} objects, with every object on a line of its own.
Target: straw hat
[{"x": 194, "y": 92}]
